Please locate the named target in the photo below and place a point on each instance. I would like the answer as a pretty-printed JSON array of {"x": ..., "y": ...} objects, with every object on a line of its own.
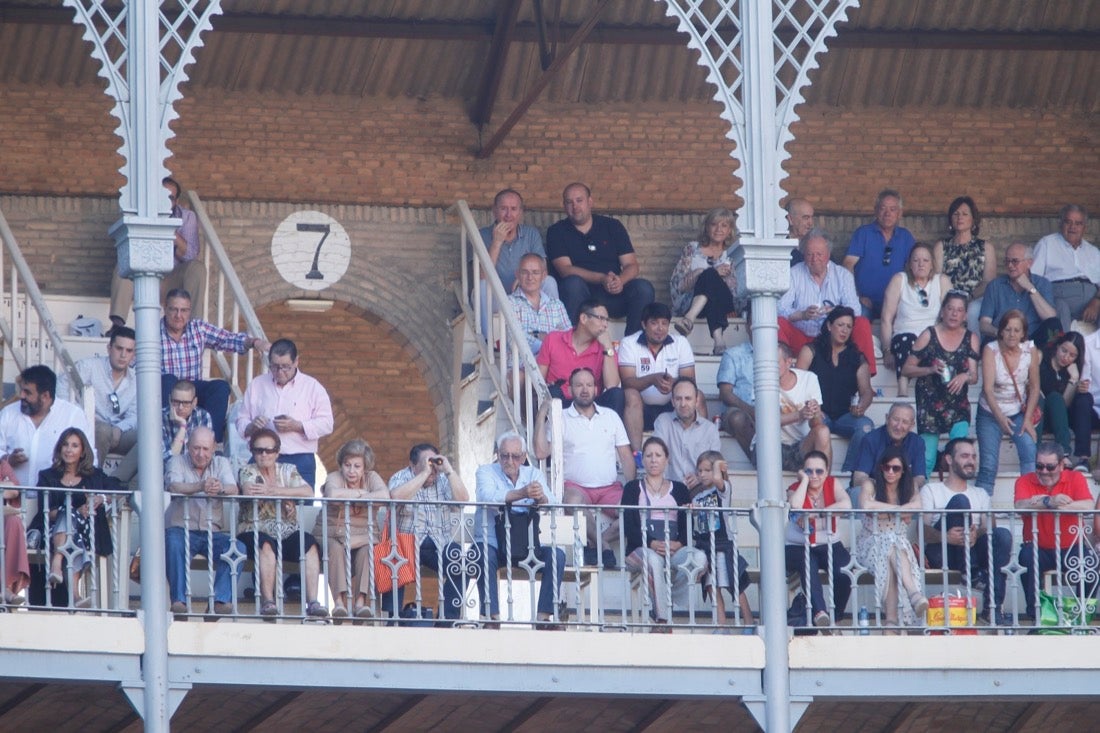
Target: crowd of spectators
[{"x": 946, "y": 320}]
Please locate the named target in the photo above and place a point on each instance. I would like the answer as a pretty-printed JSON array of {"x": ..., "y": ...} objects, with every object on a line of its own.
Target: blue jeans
[
  {"x": 635, "y": 296},
  {"x": 487, "y": 577},
  {"x": 989, "y": 447},
  {"x": 177, "y": 561},
  {"x": 853, "y": 428}
]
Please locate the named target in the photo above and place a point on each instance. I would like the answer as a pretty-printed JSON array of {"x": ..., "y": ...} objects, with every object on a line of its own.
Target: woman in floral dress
[{"x": 944, "y": 361}]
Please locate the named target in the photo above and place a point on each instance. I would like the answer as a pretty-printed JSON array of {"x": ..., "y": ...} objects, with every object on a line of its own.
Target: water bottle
[{"x": 864, "y": 620}]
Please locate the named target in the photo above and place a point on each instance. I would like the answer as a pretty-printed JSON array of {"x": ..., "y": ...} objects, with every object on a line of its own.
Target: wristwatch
[
  {"x": 1032, "y": 291},
  {"x": 1046, "y": 501},
  {"x": 609, "y": 352}
]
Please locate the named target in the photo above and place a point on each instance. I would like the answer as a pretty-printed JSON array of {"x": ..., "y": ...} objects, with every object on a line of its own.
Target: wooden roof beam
[
  {"x": 507, "y": 13},
  {"x": 575, "y": 42}
]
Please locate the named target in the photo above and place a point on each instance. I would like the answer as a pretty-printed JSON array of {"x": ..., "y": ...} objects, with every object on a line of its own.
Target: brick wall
[{"x": 659, "y": 157}]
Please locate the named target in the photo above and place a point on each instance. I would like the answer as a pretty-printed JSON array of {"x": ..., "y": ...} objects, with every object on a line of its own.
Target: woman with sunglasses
[
  {"x": 912, "y": 301},
  {"x": 839, "y": 364},
  {"x": 1010, "y": 394},
  {"x": 269, "y": 528},
  {"x": 944, "y": 361},
  {"x": 969, "y": 262},
  {"x": 812, "y": 539},
  {"x": 657, "y": 534},
  {"x": 883, "y": 545},
  {"x": 1067, "y": 403},
  {"x": 704, "y": 282}
]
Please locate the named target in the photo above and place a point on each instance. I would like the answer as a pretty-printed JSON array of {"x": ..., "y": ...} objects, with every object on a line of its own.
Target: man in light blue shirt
[
  {"x": 520, "y": 488},
  {"x": 735, "y": 389}
]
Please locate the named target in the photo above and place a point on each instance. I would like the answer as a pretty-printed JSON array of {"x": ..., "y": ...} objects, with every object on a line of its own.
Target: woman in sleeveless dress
[{"x": 970, "y": 263}]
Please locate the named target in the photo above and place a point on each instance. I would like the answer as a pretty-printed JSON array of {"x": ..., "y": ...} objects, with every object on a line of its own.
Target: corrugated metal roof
[{"x": 360, "y": 65}]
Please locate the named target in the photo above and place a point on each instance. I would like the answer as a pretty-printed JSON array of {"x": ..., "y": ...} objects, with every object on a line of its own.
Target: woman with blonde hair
[{"x": 704, "y": 282}]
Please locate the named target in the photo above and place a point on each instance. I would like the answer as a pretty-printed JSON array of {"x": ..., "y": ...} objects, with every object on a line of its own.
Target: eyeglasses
[
  {"x": 1047, "y": 467},
  {"x": 923, "y": 295},
  {"x": 597, "y": 316},
  {"x": 886, "y": 255},
  {"x": 259, "y": 451},
  {"x": 115, "y": 406},
  {"x": 511, "y": 456},
  {"x": 892, "y": 468},
  {"x": 814, "y": 471},
  {"x": 1014, "y": 260},
  {"x": 181, "y": 403},
  {"x": 280, "y": 367}
]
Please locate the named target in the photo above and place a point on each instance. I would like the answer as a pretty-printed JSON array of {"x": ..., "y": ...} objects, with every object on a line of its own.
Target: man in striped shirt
[{"x": 182, "y": 342}]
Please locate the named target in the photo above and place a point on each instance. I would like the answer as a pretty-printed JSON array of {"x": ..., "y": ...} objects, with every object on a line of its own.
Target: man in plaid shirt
[
  {"x": 430, "y": 479},
  {"x": 538, "y": 313},
  {"x": 182, "y": 341}
]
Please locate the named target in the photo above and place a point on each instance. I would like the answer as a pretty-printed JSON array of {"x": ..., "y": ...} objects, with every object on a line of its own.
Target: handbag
[
  {"x": 1037, "y": 413},
  {"x": 522, "y": 530},
  {"x": 135, "y": 566},
  {"x": 406, "y": 561}
]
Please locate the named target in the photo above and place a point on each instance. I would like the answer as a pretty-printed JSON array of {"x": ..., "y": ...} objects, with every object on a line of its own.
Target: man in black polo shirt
[{"x": 592, "y": 257}]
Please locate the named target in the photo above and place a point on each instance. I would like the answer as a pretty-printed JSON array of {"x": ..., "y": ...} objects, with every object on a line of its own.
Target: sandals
[
  {"x": 918, "y": 602},
  {"x": 316, "y": 610},
  {"x": 56, "y": 579},
  {"x": 684, "y": 325},
  {"x": 269, "y": 610}
]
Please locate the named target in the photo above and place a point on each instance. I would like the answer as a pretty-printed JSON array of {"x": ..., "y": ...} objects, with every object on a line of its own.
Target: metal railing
[
  {"x": 73, "y": 544},
  {"x": 30, "y": 340},
  {"x": 231, "y": 305},
  {"x": 503, "y": 346},
  {"x": 986, "y": 577}
]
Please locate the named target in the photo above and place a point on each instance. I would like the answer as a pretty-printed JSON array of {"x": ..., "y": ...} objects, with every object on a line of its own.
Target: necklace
[{"x": 655, "y": 492}]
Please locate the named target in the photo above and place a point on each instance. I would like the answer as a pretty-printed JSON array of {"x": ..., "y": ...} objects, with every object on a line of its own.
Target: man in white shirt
[
  {"x": 593, "y": 439},
  {"x": 1072, "y": 264},
  {"x": 29, "y": 429},
  {"x": 650, "y": 361},
  {"x": 114, "y": 385},
  {"x": 964, "y": 534},
  {"x": 817, "y": 286}
]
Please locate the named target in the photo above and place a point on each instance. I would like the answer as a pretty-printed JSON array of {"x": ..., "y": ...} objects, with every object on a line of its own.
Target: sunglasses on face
[
  {"x": 814, "y": 471},
  {"x": 259, "y": 451},
  {"x": 892, "y": 468},
  {"x": 1047, "y": 467}
]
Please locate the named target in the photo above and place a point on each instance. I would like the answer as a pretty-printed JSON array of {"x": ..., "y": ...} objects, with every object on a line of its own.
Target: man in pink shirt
[{"x": 291, "y": 403}]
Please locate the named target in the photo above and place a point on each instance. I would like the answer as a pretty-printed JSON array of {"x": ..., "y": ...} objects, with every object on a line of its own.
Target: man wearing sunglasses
[
  {"x": 1054, "y": 534},
  {"x": 291, "y": 403},
  {"x": 114, "y": 385},
  {"x": 879, "y": 250}
]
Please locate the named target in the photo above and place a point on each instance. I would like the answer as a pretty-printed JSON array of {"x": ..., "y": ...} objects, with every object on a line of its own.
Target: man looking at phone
[
  {"x": 430, "y": 479},
  {"x": 817, "y": 286},
  {"x": 291, "y": 403}
]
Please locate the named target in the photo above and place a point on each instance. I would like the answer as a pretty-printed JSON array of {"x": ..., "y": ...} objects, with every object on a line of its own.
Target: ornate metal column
[
  {"x": 143, "y": 48},
  {"x": 758, "y": 54}
]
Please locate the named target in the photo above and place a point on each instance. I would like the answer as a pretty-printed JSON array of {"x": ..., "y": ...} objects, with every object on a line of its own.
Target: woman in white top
[
  {"x": 911, "y": 304},
  {"x": 1010, "y": 394}
]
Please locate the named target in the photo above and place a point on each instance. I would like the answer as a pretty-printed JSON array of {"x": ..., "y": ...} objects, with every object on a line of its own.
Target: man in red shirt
[
  {"x": 1054, "y": 535},
  {"x": 587, "y": 345}
]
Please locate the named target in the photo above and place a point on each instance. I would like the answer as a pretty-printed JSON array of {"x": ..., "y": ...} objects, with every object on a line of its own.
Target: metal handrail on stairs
[
  {"x": 498, "y": 335},
  {"x": 27, "y": 343},
  {"x": 231, "y": 304}
]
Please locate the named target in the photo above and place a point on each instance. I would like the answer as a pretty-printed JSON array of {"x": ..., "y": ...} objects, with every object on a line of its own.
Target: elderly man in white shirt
[
  {"x": 817, "y": 286},
  {"x": 1072, "y": 264}
]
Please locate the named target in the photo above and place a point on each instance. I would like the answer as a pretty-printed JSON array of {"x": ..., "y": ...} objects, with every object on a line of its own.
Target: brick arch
[{"x": 375, "y": 378}]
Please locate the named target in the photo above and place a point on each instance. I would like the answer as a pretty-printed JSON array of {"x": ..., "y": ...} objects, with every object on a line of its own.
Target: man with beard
[
  {"x": 594, "y": 437},
  {"x": 30, "y": 428},
  {"x": 971, "y": 532}
]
